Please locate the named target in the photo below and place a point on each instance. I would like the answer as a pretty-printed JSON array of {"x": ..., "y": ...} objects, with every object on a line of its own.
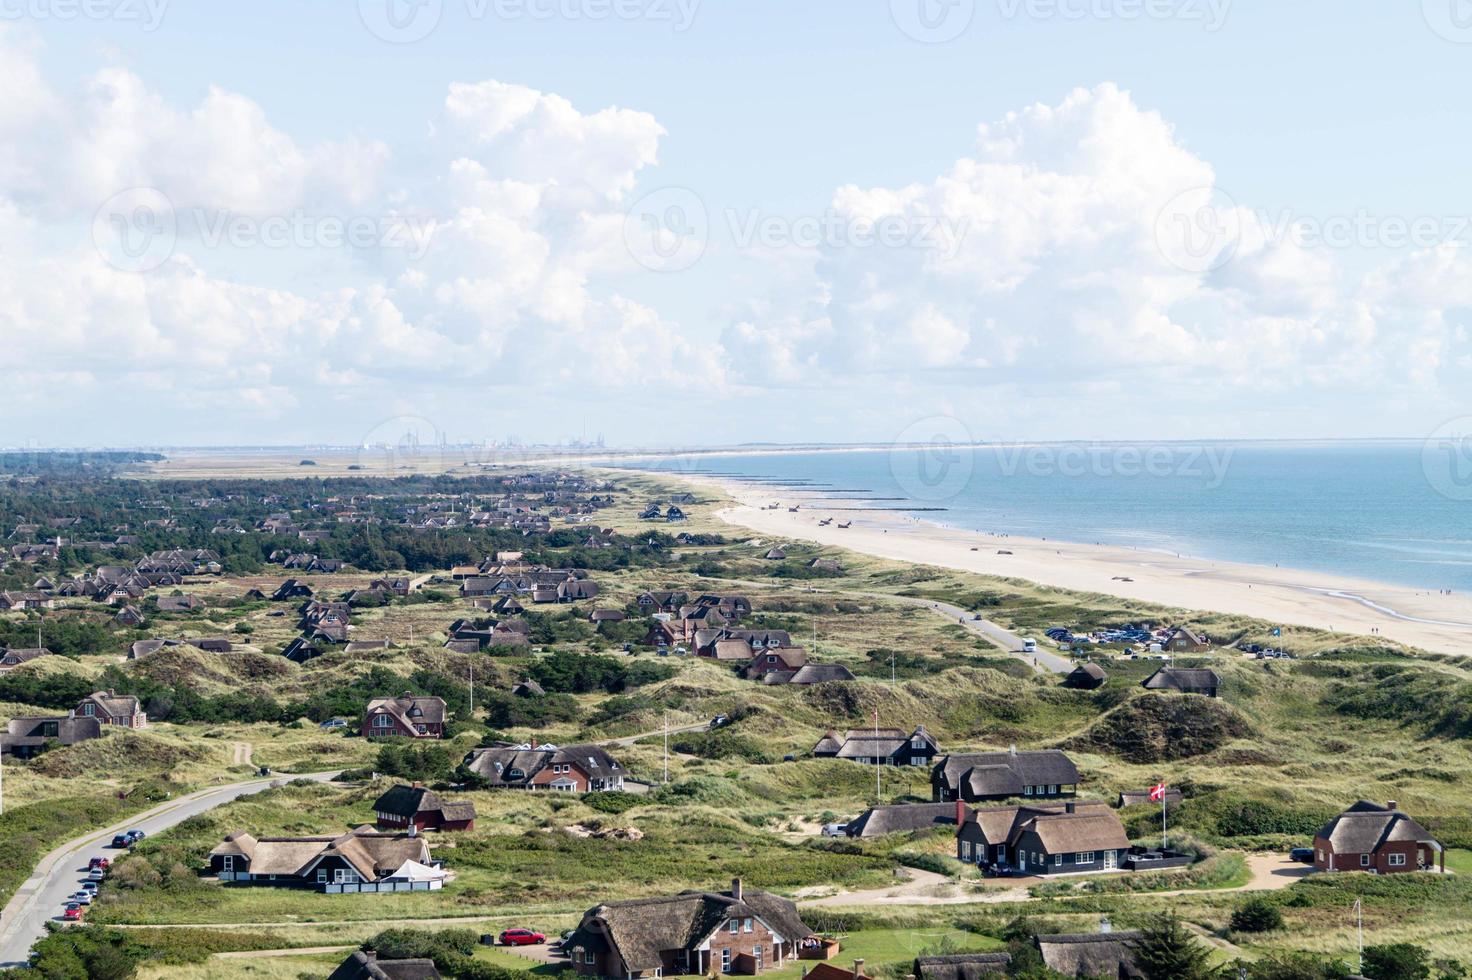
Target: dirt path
[
  {"x": 1269, "y": 872},
  {"x": 243, "y": 752},
  {"x": 919, "y": 888}
]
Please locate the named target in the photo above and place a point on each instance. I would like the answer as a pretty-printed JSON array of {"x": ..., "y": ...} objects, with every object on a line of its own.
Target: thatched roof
[
  {"x": 880, "y": 820},
  {"x": 640, "y": 930},
  {"x": 962, "y": 966},
  {"x": 1365, "y": 826},
  {"x": 1003, "y": 774},
  {"x": 365, "y": 965},
  {"x": 409, "y": 801},
  {"x": 1182, "y": 679},
  {"x": 1100, "y": 954}
]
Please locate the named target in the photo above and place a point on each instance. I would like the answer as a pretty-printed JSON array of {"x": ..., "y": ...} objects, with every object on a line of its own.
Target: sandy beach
[{"x": 1426, "y": 619}]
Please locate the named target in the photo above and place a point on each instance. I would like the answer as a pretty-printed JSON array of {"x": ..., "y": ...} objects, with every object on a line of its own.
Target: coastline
[{"x": 1417, "y": 617}]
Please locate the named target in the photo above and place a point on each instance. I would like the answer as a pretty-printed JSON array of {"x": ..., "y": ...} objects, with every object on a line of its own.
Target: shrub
[
  {"x": 1396, "y": 961},
  {"x": 1257, "y": 915}
]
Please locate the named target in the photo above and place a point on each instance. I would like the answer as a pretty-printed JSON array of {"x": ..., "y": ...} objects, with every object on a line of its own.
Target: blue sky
[{"x": 1308, "y": 109}]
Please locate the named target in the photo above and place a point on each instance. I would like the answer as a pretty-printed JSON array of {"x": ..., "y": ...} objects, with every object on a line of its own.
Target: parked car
[
  {"x": 95, "y": 874},
  {"x": 522, "y": 937},
  {"x": 82, "y": 897},
  {"x": 90, "y": 887},
  {"x": 1303, "y": 855},
  {"x": 332, "y": 723},
  {"x": 99, "y": 862},
  {"x": 134, "y": 836},
  {"x": 719, "y": 720},
  {"x": 72, "y": 912},
  {"x": 120, "y": 840},
  {"x": 835, "y": 830}
]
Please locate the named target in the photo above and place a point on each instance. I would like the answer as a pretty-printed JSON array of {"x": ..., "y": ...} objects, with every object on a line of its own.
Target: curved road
[
  {"x": 60, "y": 873},
  {"x": 1040, "y": 660}
]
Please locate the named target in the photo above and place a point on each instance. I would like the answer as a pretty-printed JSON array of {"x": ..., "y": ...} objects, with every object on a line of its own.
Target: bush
[
  {"x": 616, "y": 802},
  {"x": 1396, "y": 961},
  {"x": 1257, "y": 915}
]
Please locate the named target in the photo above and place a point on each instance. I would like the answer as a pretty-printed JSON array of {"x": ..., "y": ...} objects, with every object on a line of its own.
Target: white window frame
[
  {"x": 1084, "y": 857},
  {"x": 227, "y": 863},
  {"x": 726, "y": 959},
  {"x": 1027, "y": 791},
  {"x": 1364, "y": 860},
  {"x": 746, "y": 925},
  {"x": 1395, "y": 860},
  {"x": 734, "y": 926}
]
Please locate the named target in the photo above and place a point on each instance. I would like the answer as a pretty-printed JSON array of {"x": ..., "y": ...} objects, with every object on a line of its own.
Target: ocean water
[{"x": 1397, "y": 512}]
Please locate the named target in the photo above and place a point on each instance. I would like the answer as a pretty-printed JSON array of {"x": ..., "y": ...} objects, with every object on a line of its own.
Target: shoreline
[{"x": 1421, "y": 618}]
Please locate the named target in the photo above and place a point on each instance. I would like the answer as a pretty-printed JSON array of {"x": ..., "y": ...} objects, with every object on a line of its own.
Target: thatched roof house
[
  {"x": 692, "y": 933},
  {"x": 1102, "y": 954},
  {"x": 962, "y": 966}
]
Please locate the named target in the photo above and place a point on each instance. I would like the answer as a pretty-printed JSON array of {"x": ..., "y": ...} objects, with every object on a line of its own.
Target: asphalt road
[
  {"x": 60, "y": 873},
  {"x": 1041, "y": 660}
]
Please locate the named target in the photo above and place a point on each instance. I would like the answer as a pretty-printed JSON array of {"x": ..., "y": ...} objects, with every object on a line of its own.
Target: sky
[{"x": 705, "y": 222}]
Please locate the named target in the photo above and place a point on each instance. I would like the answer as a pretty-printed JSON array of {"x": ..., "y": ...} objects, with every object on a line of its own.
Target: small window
[
  {"x": 1364, "y": 860},
  {"x": 1027, "y": 791},
  {"x": 1057, "y": 860},
  {"x": 746, "y": 925},
  {"x": 726, "y": 959},
  {"x": 1085, "y": 857},
  {"x": 1397, "y": 860},
  {"x": 227, "y": 863},
  {"x": 321, "y": 875}
]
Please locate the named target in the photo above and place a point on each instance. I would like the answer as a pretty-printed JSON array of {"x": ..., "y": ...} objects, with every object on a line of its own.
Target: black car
[
  {"x": 1303, "y": 855},
  {"x": 120, "y": 840}
]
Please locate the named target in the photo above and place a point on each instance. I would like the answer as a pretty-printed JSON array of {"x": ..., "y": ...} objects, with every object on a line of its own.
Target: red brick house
[
  {"x": 764, "y": 662},
  {"x": 1380, "y": 839},
  {"x": 110, "y": 708},
  {"x": 405, "y": 806},
  {"x": 569, "y": 769},
  {"x": 405, "y": 716},
  {"x": 740, "y": 931}
]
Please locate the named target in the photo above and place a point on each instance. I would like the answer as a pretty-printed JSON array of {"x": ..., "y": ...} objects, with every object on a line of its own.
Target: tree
[
  {"x": 1396, "y": 961},
  {"x": 1257, "y": 915},
  {"x": 1167, "y": 951}
]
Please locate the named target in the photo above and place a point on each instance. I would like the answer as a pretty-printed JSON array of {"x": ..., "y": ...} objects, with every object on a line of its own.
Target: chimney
[
  {"x": 371, "y": 955},
  {"x": 416, "y": 785},
  {"x": 858, "y": 969},
  {"x": 736, "y": 891},
  {"x": 1012, "y": 748},
  {"x": 533, "y": 743},
  {"x": 413, "y": 829},
  {"x": 1105, "y": 926},
  {"x": 1391, "y": 805},
  {"x": 960, "y": 813},
  {"x": 1070, "y": 808}
]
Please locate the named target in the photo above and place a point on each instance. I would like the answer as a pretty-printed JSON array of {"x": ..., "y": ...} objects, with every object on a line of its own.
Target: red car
[
  {"x": 522, "y": 937},
  {"x": 99, "y": 862},
  {"x": 73, "y": 912}
]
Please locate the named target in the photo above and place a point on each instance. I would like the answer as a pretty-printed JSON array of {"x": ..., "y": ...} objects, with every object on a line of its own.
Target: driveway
[
  {"x": 1041, "y": 660},
  {"x": 60, "y": 873}
]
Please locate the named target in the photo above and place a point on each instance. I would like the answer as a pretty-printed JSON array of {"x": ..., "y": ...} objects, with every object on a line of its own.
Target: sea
[{"x": 1398, "y": 512}]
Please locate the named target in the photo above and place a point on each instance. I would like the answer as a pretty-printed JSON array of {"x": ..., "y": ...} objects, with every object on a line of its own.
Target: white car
[
  {"x": 835, "y": 830},
  {"x": 81, "y": 898}
]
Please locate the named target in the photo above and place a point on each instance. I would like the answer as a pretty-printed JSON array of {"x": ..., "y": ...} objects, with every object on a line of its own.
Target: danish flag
[{"x": 1157, "y": 792}]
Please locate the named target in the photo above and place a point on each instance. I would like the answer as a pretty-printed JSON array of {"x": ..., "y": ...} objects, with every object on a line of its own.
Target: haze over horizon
[{"x": 1006, "y": 221}]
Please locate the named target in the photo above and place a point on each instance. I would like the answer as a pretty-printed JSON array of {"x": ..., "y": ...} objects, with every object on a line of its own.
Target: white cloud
[{"x": 1090, "y": 256}]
